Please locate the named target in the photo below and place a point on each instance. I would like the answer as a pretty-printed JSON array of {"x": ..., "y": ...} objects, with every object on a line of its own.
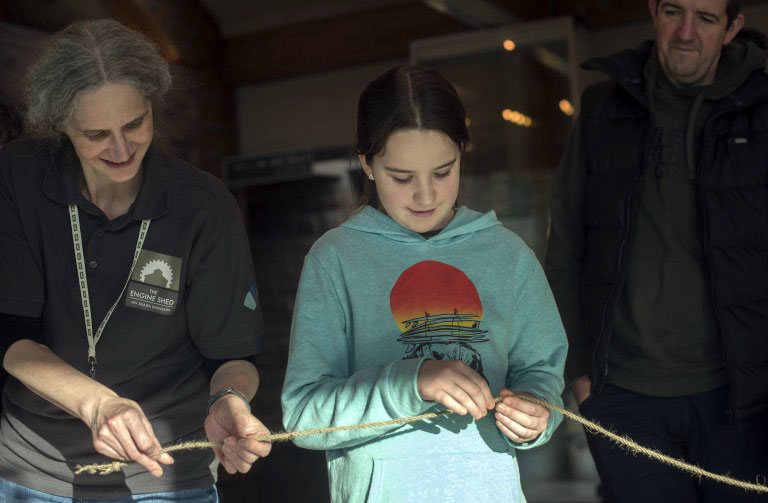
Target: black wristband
[{"x": 226, "y": 391}]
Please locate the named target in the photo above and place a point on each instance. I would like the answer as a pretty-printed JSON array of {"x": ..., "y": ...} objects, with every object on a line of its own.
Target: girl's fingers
[
  {"x": 472, "y": 397},
  {"x": 483, "y": 392},
  {"x": 515, "y": 427},
  {"x": 509, "y": 433},
  {"x": 450, "y": 403}
]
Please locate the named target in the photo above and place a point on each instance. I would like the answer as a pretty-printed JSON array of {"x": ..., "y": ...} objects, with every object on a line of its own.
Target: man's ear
[
  {"x": 653, "y": 5},
  {"x": 736, "y": 25}
]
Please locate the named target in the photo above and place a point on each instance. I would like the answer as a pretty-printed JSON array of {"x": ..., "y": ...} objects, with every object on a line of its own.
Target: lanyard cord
[{"x": 74, "y": 221}]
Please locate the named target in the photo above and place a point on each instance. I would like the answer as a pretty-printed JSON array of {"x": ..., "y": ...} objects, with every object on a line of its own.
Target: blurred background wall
[{"x": 265, "y": 97}]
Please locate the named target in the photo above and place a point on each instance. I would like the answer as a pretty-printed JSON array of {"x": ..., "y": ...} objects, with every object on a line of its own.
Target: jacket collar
[{"x": 626, "y": 69}]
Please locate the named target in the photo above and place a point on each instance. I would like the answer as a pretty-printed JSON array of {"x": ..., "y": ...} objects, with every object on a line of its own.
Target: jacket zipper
[
  {"x": 608, "y": 307},
  {"x": 706, "y": 244}
]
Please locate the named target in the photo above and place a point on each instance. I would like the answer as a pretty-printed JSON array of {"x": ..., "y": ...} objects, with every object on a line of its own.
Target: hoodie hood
[{"x": 463, "y": 224}]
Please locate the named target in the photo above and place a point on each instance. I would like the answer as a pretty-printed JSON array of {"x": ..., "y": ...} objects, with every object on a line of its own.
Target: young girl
[{"x": 414, "y": 304}]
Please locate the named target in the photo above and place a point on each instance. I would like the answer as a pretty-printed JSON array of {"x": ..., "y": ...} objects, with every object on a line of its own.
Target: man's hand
[
  {"x": 230, "y": 423},
  {"x": 581, "y": 388}
]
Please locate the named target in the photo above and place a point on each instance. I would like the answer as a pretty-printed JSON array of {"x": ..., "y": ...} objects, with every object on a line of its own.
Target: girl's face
[
  {"x": 417, "y": 178},
  {"x": 111, "y": 130}
]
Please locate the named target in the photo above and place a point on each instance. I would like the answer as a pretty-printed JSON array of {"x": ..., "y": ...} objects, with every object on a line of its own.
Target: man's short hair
[{"x": 732, "y": 9}]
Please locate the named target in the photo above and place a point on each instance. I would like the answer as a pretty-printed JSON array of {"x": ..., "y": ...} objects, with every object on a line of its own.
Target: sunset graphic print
[{"x": 438, "y": 310}]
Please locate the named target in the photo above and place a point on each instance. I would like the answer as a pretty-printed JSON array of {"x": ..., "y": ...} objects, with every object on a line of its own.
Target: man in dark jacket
[{"x": 658, "y": 254}]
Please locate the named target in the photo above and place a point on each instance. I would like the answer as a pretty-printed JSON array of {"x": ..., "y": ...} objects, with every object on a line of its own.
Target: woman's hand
[
  {"x": 230, "y": 423},
  {"x": 518, "y": 419},
  {"x": 122, "y": 431},
  {"x": 455, "y": 385}
]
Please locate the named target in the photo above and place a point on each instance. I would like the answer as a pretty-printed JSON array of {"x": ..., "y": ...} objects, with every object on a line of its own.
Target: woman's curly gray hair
[{"x": 84, "y": 56}]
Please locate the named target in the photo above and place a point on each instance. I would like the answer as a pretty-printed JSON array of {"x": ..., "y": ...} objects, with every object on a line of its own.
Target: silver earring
[{"x": 370, "y": 176}]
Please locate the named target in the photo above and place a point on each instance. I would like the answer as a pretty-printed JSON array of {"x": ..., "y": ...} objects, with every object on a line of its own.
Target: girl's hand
[
  {"x": 455, "y": 385},
  {"x": 122, "y": 431},
  {"x": 520, "y": 420}
]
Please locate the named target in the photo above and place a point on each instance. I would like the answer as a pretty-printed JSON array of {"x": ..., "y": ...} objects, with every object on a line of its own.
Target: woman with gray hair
[{"x": 128, "y": 307}]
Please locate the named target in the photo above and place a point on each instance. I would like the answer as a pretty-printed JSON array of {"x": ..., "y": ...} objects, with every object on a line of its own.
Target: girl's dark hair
[{"x": 406, "y": 97}]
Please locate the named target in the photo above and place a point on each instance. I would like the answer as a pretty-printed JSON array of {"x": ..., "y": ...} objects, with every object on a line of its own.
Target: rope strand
[{"x": 592, "y": 427}]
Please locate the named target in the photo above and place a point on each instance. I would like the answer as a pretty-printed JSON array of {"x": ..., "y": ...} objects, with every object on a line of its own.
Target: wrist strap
[{"x": 226, "y": 391}]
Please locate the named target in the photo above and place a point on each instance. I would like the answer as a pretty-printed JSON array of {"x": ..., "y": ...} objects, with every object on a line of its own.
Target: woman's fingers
[
  {"x": 105, "y": 436},
  {"x": 240, "y": 459},
  {"x": 127, "y": 428},
  {"x": 257, "y": 448},
  {"x": 107, "y": 450},
  {"x": 163, "y": 457}
]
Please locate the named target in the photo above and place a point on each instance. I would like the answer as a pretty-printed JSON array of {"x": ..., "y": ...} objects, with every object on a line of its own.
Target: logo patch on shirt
[{"x": 154, "y": 284}]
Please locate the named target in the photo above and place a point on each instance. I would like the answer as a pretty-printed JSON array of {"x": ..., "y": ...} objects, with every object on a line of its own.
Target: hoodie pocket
[{"x": 459, "y": 478}]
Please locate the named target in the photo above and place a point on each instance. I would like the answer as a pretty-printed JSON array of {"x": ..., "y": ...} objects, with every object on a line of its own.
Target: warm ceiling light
[
  {"x": 527, "y": 122},
  {"x": 566, "y": 107},
  {"x": 509, "y": 45},
  {"x": 506, "y": 114}
]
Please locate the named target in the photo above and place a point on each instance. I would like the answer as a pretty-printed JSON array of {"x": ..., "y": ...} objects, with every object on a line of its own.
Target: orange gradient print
[{"x": 433, "y": 301}]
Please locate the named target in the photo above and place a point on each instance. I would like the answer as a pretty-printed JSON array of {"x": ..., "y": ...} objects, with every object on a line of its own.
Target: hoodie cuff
[{"x": 404, "y": 389}]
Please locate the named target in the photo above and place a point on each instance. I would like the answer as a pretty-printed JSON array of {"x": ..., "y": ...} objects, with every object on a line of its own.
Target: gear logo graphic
[{"x": 155, "y": 272}]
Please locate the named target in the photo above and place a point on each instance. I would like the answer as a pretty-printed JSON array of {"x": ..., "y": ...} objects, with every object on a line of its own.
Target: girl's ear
[{"x": 366, "y": 168}]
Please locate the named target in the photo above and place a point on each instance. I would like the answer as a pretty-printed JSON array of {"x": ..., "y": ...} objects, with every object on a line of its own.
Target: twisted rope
[{"x": 592, "y": 427}]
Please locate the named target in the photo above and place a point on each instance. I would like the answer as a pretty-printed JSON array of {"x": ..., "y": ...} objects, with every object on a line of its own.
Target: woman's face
[
  {"x": 417, "y": 178},
  {"x": 111, "y": 130}
]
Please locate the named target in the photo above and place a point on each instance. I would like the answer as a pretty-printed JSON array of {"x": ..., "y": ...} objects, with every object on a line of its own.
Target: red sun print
[
  {"x": 433, "y": 288},
  {"x": 438, "y": 311}
]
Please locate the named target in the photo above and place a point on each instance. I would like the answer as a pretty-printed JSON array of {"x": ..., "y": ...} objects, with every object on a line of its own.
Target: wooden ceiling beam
[
  {"x": 593, "y": 14},
  {"x": 342, "y": 41},
  {"x": 184, "y": 31}
]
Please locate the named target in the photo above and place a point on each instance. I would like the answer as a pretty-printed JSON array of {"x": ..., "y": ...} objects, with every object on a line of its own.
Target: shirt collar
[{"x": 62, "y": 186}]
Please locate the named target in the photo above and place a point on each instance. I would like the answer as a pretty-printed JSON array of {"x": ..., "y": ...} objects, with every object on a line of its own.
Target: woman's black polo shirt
[{"x": 190, "y": 296}]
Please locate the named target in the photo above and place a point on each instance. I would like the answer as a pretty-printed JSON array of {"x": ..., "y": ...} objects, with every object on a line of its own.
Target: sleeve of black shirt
[
  {"x": 210, "y": 366},
  {"x": 22, "y": 289},
  {"x": 14, "y": 328},
  {"x": 222, "y": 302}
]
